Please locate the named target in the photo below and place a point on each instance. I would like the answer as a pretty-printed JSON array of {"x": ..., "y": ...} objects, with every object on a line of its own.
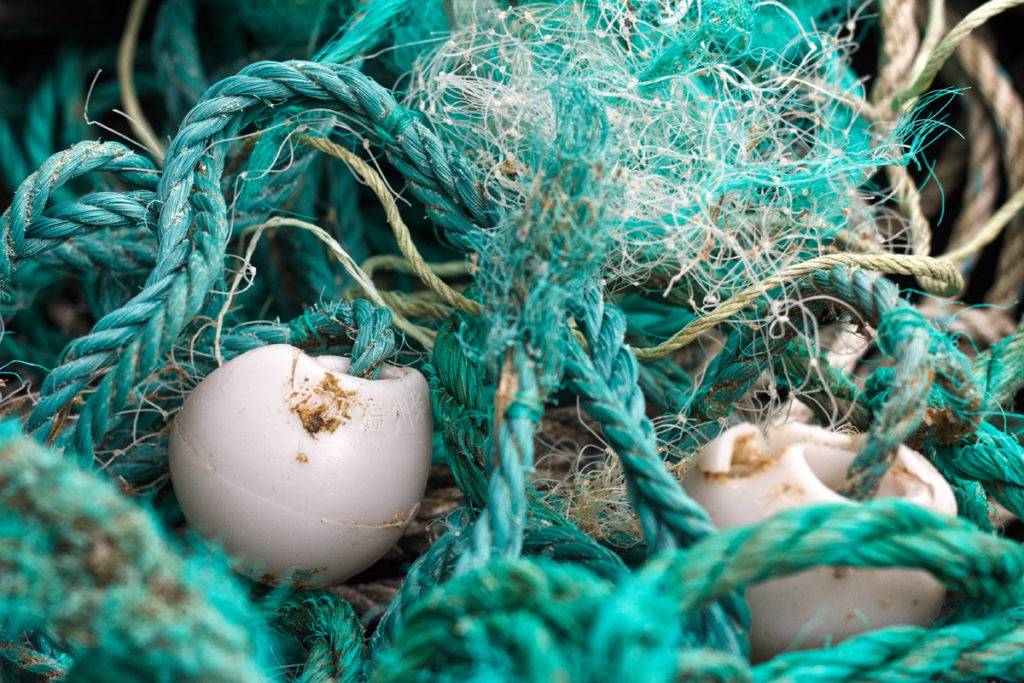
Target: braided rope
[
  {"x": 899, "y": 45},
  {"x": 607, "y": 385}
]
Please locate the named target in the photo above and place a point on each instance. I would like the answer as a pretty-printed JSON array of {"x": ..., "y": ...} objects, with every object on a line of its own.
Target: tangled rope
[{"x": 666, "y": 215}]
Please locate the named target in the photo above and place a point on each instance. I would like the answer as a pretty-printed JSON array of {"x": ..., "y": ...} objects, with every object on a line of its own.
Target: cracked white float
[
  {"x": 309, "y": 473},
  {"x": 744, "y": 476}
]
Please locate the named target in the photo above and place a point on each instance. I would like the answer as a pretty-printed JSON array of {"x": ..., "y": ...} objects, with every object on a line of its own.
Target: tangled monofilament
[{"x": 605, "y": 231}]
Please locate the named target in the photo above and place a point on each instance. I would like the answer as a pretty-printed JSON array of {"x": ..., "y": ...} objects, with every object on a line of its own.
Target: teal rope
[
  {"x": 461, "y": 397},
  {"x": 880, "y": 533},
  {"x": 993, "y": 458},
  {"x": 125, "y": 345},
  {"x": 71, "y": 535},
  {"x": 564, "y": 544},
  {"x": 65, "y": 236},
  {"x": 499, "y": 531},
  {"x": 364, "y": 29},
  {"x": 607, "y": 385},
  {"x": 20, "y": 224},
  {"x": 499, "y": 608},
  {"x": 969, "y": 651},
  {"x": 430, "y": 570},
  {"x": 30, "y": 664},
  {"x": 177, "y": 58},
  {"x": 999, "y": 371},
  {"x": 332, "y": 634},
  {"x": 514, "y": 620}
]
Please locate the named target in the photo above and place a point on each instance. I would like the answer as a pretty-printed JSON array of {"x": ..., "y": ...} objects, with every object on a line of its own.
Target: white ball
[
  {"x": 744, "y": 476},
  {"x": 305, "y": 472}
]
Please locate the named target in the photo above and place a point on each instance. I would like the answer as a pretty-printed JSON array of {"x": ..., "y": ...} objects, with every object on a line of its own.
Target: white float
[{"x": 305, "y": 472}]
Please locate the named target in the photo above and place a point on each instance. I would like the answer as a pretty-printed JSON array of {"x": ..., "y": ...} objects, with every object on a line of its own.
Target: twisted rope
[
  {"x": 188, "y": 258},
  {"x": 332, "y": 634},
  {"x": 70, "y": 534},
  {"x": 20, "y": 224}
]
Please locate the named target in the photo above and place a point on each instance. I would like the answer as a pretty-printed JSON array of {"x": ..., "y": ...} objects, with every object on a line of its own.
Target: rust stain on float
[
  {"x": 323, "y": 407},
  {"x": 302, "y": 457},
  {"x": 399, "y": 518}
]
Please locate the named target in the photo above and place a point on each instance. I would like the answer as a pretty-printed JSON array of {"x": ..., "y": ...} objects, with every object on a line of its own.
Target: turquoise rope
[
  {"x": 331, "y": 633},
  {"x": 70, "y": 534},
  {"x": 125, "y": 345},
  {"x": 501, "y": 607},
  {"x": 512, "y": 589}
]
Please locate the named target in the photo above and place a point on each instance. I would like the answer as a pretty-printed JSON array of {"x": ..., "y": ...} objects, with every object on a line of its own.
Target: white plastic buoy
[
  {"x": 306, "y": 472},
  {"x": 744, "y": 476}
]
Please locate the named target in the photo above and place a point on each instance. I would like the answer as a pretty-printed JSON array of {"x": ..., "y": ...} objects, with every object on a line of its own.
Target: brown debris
[{"x": 323, "y": 407}]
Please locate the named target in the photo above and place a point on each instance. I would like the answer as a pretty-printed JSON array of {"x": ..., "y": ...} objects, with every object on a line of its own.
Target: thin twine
[
  {"x": 129, "y": 98},
  {"x": 942, "y": 272},
  {"x": 932, "y": 36},
  {"x": 401, "y": 231},
  {"x": 988, "y": 232},
  {"x": 402, "y": 265},
  {"x": 421, "y": 334}
]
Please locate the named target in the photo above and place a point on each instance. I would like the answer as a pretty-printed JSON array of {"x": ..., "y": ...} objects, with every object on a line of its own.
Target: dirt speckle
[
  {"x": 748, "y": 458},
  {"x": 302, "y": 457},
  {"x": 399, "y": 518},
  {"x": 322, "y": 407},
  {"x": 840, "y": 572}
]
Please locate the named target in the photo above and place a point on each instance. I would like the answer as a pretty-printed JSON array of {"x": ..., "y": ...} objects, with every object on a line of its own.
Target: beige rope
[
  {"x": 908, "y": 198},
  {"x": 990, "y": 230},
  {"x": 899, "y": 46},
  {"x": 935, "y": 26},
  {"x": 979, "y": 62},
  {"x": 948, "y": 44},
  {"x": 129, "y": 99},
  {"x": 402, "y": 235},
  {"x": 402, "y": 265},
  {"x": 919, "y": 266},
  {"x": 981, "y": 186}
]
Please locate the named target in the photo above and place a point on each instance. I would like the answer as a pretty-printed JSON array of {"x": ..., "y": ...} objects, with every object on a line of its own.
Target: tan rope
[
  {"x": 125, "y": 66},
  {"x": 908, "y": 198},
  {"x": 899, "y": 46},
  {"x": 402, "y": 265},
  {"x": 919, "y": 266},
  {"x": 981, "y": 186},
  {"x": 990, "y": 230},
  {"x": 402, "y": 235},
  {"x": 948, "y": 44},
  {"x": 935, "y": 26},
  {"x": 979, "y": 62}
]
